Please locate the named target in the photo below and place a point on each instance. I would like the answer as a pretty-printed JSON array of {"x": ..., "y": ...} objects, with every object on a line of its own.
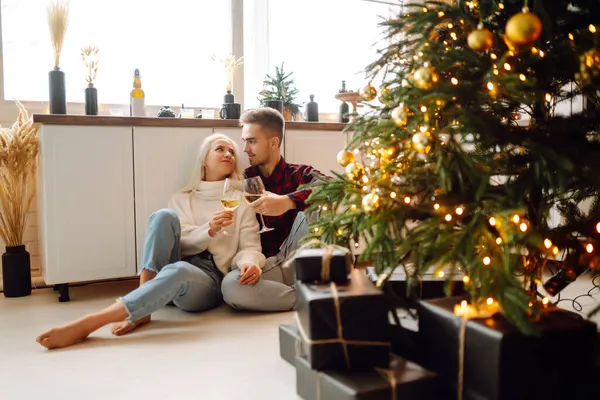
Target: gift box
[
  {"x": 501, "y": 363},
  {"x": 429, "y": 286},
  {"x": 289, "y": 342},
  {"x": 323, "y": 265},
  {"x": 344, "y": 327},
  {"x": 405, "y": 336},
  {"x": 402, "y": 380}
]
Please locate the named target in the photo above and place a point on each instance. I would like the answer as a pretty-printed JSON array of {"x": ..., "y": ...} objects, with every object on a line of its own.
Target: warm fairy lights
[
  {"x": 459, "y": 210},
  {"x": 448, "y": 217},
  {"x": 547, "y": 243},
  {"x": 492, "y": 221},
  {"x": 486, "y": 260},
  {"x": 516, "y": 219},
  {"x": 589, "y": 247}
]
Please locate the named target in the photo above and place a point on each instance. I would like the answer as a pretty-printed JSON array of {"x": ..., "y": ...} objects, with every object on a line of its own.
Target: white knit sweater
[{"x": 196, "y": 209}]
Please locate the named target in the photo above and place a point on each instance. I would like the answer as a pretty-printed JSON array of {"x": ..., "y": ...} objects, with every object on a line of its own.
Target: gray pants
[{"x": 275, "y": 290}]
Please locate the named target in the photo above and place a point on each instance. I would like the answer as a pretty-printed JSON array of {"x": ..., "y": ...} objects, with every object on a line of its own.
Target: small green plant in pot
[{"x": 281, "y": 87}]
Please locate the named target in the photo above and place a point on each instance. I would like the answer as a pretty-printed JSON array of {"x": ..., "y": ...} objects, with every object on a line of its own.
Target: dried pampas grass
[
  {"x": 19, "y": 147},
  {"x": 89, "y": 55},
  {"x": 58, "y": 20}
]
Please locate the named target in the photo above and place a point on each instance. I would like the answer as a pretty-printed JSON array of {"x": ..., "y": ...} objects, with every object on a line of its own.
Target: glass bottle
[{"x": 137, "y": 106}]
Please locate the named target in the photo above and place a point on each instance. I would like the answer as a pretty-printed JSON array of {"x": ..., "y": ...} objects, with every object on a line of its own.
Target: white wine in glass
[
  {"x": 232, "y": 198},
  {"x": 254, "y": 190}
]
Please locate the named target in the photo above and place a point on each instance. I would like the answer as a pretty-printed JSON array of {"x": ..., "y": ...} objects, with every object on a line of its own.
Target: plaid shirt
[{"x": 285, "y": 179}]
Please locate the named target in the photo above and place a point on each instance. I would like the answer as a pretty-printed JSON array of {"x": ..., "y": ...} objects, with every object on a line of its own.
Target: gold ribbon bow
[{"x": 327, "y": 256}]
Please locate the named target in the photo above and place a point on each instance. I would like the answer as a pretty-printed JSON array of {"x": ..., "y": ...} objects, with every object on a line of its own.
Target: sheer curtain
[
  {"x": 321, "y": 42},
  {"x": 170, "y": 42}
]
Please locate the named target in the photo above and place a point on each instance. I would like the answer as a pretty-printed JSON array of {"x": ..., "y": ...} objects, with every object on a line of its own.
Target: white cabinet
[
  {"x": 163, "y": 161},
  {"x": 97, "y": 186},
  {"x": 315, "y": 148},
  {"x": 85, "y": 203}
]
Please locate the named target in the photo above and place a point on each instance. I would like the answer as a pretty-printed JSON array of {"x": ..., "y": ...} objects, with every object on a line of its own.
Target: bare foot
[
  {"x": 124, "y": 327},
  {"x": 64, "y": 336}
]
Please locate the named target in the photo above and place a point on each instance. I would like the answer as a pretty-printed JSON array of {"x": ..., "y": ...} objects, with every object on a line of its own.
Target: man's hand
[
  {"x": 273, "y": 204},
  {"x": 250, "y": 274}
]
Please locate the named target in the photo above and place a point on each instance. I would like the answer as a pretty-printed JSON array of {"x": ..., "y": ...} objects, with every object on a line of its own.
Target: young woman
[{"x": 190, "y": 228}]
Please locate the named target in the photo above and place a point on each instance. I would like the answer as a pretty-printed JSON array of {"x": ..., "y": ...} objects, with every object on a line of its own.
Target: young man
[{"x": 282, "y": 209}]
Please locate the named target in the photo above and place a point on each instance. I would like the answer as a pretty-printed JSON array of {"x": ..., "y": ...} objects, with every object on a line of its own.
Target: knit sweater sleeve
[
  {"x": 194, "y": 238},
  {"x": 249, "y": 247}
]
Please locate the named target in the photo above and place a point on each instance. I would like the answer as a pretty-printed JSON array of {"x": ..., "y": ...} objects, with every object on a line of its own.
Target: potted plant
[
  {"x": 57, "y": 14},
  {"x": 89, "y": 54},
  {"x": 281, "y": 87},
  {"x": 19, "y": 147}
]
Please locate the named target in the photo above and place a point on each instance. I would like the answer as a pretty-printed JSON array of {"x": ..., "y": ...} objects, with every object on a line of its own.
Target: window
[
  {"x": 322, "y": 43},
  {"x": 170, "y": 42}
]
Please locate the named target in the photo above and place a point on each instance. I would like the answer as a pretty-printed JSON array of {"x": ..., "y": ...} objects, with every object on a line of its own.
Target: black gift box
[
  {"x": 308, "y": 264},
  {"x": 411, "y": 382},
  {"x": 289, "y": 342},
  {"x": 363, "y": 316},
  {"x": 428, "y": 286},
  {"x": 501, "y": 363}
]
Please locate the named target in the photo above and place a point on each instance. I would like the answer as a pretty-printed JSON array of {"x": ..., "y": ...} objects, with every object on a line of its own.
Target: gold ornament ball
[
  {"x": 400, "y": 115},
  {"x": 345, "y": 157},
  {"x": 480, "y": 39},
  {"x": 421, "y": 142},
  {"x": 523, "y": 29},
  {"x": 425, "y": 77},
  {"x": 355, "y": 171},
  {"x": 368, "y": 93},
  {"x": 384, "y": 96},
  {"x": 370, "y": 202}
]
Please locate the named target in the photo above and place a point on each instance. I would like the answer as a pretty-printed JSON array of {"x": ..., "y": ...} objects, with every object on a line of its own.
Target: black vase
[
  {"x": 58, "y": 96},
  {"x": 276, "y": 104},
  {"x": 91, "y": 101},
  {"x": 16, "y": 272},
  {"x": 312, "y": 110}
]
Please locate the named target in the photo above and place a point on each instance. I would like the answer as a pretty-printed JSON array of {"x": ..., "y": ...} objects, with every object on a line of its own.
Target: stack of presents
[{"x": 344, "y": 343}]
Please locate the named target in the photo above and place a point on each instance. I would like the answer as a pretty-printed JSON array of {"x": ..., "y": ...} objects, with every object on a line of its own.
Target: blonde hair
[{"x": 198, "y": 172}]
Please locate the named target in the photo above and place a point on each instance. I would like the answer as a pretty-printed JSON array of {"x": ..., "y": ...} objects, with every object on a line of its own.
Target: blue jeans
[
  {"x": 196, "y": 284},
  {"x": 192, "y": 284}
]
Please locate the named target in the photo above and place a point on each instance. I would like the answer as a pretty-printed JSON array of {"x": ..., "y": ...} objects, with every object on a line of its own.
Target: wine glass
[
  {"x": 231, "y": 199},
  {"x": 254, "y": 190}
]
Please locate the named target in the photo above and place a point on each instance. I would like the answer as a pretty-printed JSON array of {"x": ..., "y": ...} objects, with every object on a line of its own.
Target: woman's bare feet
[
  {"x": 124, "y": 327},
  {"x": 75, "y": 332},
  {"x": 64, "y": 336}
]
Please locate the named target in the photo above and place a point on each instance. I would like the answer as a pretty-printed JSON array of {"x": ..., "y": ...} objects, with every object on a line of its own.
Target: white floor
[{"x": 220, "y": 354}]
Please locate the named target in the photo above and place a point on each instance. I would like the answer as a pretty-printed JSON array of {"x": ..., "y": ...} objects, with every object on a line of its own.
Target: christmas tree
[{"x": 468, "y": 164}]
